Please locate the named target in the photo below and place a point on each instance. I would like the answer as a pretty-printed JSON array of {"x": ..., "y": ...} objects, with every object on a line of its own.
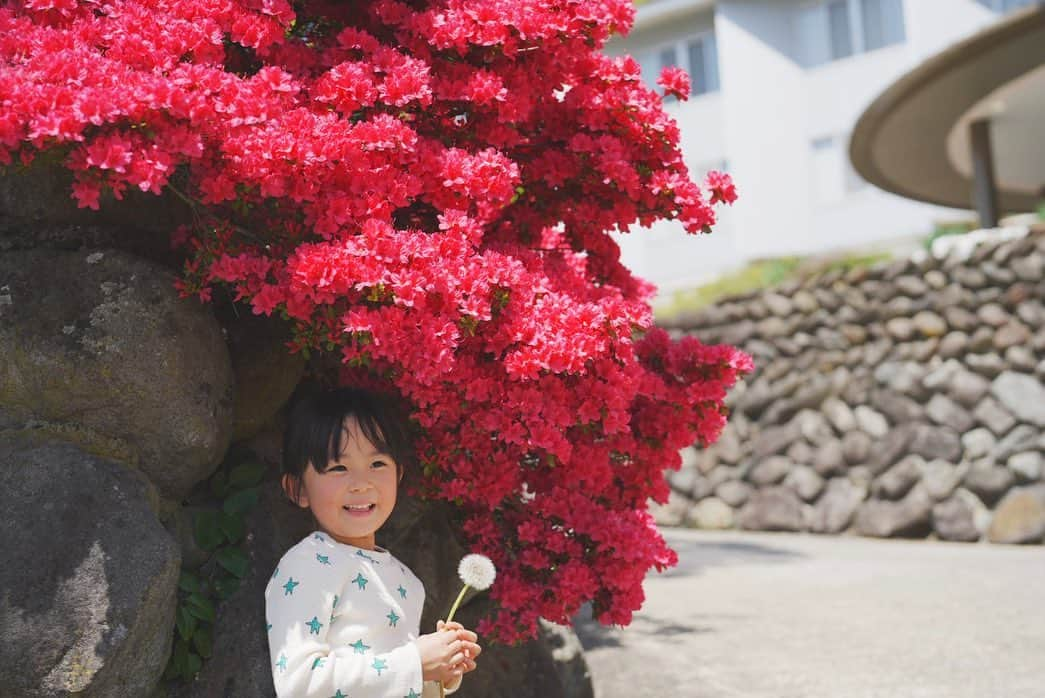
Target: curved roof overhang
[{"x": 914, "y": 139}]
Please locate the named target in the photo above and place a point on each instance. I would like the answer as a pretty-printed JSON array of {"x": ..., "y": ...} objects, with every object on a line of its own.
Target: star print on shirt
[
  {"x": 361, "y": 581},
  {"x": 315, "y": 625},
  {"x": 288, "y": 588},
  {"x": 359, "y": 647},
  {"x": 317, "y": 536},
  {"x": 275, "y": 572},
  {"x": 379, "y": 665},
  {"x": 339, "y": 694},
  {"x": 323, "y": 559},
  {"x": 318, "y": 663},
  {"x": 282, "y": 663},
  {"x": 412, "y": 694},
  {"x": 402, "y": 591},
  {"x": 360, "y": 553},
  {"x": 392, "y": 618},
  {"x": 336, "y": 597}
]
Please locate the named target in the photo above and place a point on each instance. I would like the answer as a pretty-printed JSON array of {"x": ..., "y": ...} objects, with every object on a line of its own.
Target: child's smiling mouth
[{"x": 359, "y": 508}]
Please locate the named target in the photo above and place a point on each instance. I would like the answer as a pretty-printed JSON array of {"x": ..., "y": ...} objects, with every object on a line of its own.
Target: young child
[{"x": 343, "y": 614}]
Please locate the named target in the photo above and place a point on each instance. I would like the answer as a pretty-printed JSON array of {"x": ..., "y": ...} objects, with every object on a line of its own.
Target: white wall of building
[{"x": 781, "y": 127}]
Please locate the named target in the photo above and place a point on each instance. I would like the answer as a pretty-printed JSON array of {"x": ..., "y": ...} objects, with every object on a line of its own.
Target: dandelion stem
[{"x": 453, "y": 609}]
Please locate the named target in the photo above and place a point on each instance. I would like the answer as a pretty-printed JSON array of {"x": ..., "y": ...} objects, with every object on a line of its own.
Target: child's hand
[
  {"x": 469, "y": 657},
  {"x": 448, "y": 653}
]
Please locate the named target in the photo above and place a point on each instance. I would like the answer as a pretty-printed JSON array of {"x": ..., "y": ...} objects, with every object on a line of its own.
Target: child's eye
[
  {"x": 378, "y": 464},
  {"x": 336, "y": 468}
]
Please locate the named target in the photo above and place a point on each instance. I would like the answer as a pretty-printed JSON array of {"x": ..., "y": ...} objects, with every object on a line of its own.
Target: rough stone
[
  {"x": 909, "y": 517},
  {"x": 1022, "y": 394},
  {"x": 856, "y": 446},
  {"x": 954, "y": 520},
  {"x": 977, "y": 443},
  {"x": 911, "y": 286},
  {"x": 891, "y": 447},
  {"x": 1027, "y": 465},
  {"x": 839, "y": 414},
  {"x": 89, "y": 574},
  {"x": 936, "y": 442},
  {"x": 813, "y": 426},
  {"x": 1029, "y": 268},
  {"x": 989, "y": 364},
  {"x": 800, "y": 453},
  {"x": 1022, "y": 438},
  {"x": 992, "y": 314},
  {"x": 829, "y": 459},
  {"x": 969, "y": 277},
  {"x": 990, "y": 414},
  {"x": 805, "y": 481},
  {"x": 853, "y": 334},
  {"x": 671, "y": 512},
  {"x": 99, "y": 348},
  {"x": 960, "y": 319},
  {"x": 988, "y": 481},
  {"x": 941, "y": 478},
  {"x": 833, "y": 512},
  {"x": 900, "y": 328},
  {"x": 778, "y": 304},
  {"x": 733, "y": 492},
  {"x": 904, "y": 377},
  {"x": 774, "y": 440},
  {"x": 805, "y": 302},
  {"x": 946, "y": 412},
  {"x": 772, "y": 509},
  {"x": 1021, "y": 359},
  {"x": 1020, "y": 517},
  {"x": 930, "y": 324},
  {"x": 968, "y": 388},
  {"x": 265, "y": 372},
  {"x": 953, "y": 344},
  {"x": 871, "y": 421},
  {"x": 711, "y": 513},
  {"x": 771, "y": 470},
  {"x": 896, "y": 407},
  {"x": 728, "y": 447},
  {"x": 982, "y": 340},
  {"x": 899, "y": 479},
  {"x": 942, "y": 376},
  {"x": 1011, "y": 334},
  {"x": 1032, "y": 312}
]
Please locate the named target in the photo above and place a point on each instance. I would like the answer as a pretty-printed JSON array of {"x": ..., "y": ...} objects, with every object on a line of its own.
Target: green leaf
[
  {"x": 247, "y": 475},
  {"x": 234, "y": 560},
  {"x": 186, "y": 623},
  {"x": 200, "y": 607},
  {"x": 193, "y": 665},
  {"x": 203, "y": 641},
  {"x": 188, "y": 582},
  {"x": 226, "y": 586},
  {"x": 208, "y": 530},
  {"x": 241, "y": 502},
  {"x": 179, "y": 658},
  {"x": 233, "y": 527},
  {"x": 219, "y": 484}
]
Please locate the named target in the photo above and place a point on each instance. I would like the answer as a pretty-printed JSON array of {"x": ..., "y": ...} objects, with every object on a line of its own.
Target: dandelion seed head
[{"x": 477, "y": 571}]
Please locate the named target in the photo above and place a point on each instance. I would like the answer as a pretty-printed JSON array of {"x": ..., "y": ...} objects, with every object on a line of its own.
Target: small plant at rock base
[{"x": 221, "y": 531}]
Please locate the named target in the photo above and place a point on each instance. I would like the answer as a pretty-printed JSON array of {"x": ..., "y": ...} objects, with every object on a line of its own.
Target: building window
[
  {"x": 698, "y": 56},
  {"x": 834, "y": 29},
  {"x": 1007, "y": 5}
]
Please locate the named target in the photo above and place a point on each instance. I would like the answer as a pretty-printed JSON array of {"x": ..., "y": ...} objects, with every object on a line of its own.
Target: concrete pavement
[{"x": 778, "y": 615}]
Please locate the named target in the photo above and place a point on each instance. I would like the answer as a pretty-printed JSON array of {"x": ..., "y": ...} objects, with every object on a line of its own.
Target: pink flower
[{"x": 675, "y": 82}]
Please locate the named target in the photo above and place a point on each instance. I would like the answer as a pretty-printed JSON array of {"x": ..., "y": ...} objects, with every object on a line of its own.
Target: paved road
[{"x": 772, "y": 615}]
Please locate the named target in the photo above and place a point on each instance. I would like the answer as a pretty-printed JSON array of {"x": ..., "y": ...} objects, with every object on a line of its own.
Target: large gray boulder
[
  {"x": 89, "y": 575},
  {"x": 909, "y": 517},
  {"x": 99, "y": 349}
]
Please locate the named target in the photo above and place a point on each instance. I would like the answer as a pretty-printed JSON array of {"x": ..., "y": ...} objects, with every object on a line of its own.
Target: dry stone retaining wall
[{"x": 905, "y": 400}]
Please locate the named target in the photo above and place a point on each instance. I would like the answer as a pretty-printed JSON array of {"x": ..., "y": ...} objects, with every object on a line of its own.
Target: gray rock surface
[
  {"x": 772, "y": 509},
  {"x": 909, "y": 517},
  {"x": 100, "y": 349},
  {"x": 833, "y": 512},
  {"x": 1020, "y": 517},
  {"x": 1021, "y": 394},
  {"x": 89, "y": 574}
]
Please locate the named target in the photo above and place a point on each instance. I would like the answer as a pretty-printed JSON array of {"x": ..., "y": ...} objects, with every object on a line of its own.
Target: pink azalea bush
[{"x": 425, "y": 188}]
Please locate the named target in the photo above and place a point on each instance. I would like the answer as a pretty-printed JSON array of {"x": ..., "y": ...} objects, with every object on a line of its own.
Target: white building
[{"x": 777, "y": 88}]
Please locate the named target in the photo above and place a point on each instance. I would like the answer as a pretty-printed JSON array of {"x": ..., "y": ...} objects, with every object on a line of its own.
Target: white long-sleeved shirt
[{"x": 342, "y": 622}]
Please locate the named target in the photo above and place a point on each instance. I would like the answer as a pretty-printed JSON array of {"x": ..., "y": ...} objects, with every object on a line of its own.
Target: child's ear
[{"x": 292, "y": 488}]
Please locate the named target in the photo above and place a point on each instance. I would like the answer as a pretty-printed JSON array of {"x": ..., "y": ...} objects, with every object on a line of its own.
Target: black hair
[{"x": 314, "y": 430}]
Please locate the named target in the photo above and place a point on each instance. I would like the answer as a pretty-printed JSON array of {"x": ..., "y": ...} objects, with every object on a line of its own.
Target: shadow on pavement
[{"x": 695, "y": 556}]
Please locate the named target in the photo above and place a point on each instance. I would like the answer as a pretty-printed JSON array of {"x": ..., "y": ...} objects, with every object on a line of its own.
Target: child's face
[{"x": 354, "y": 494}]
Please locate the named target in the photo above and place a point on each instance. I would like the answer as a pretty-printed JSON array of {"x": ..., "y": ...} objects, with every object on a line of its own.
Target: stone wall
[{"x": 907, "y": 399}]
